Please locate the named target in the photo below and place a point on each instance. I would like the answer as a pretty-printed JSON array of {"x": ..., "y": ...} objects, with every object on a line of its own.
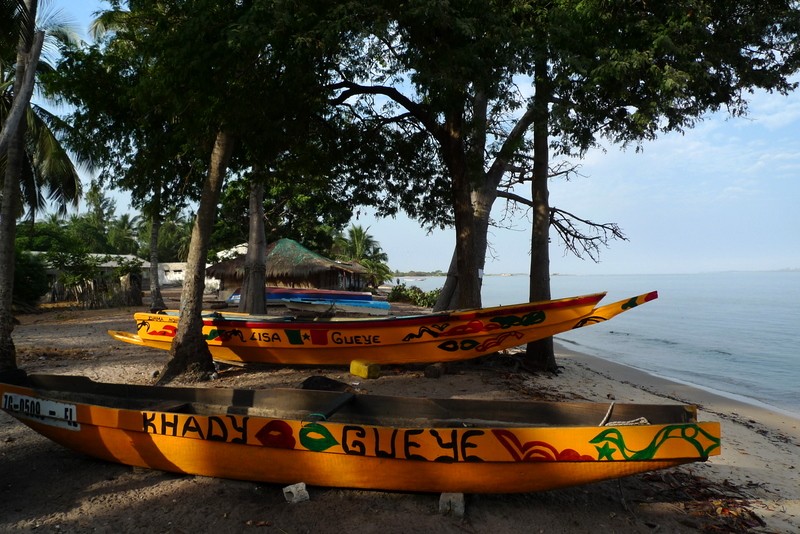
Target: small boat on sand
[
  {"x": 331, "y": 307},
  {"x": 276, "y": 295},
  {"x": 342, "y": 439},
  {"x": 434, "y": 337}
]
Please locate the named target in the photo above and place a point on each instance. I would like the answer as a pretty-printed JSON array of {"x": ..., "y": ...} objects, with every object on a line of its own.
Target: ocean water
[{"x": 733, "y": 333}]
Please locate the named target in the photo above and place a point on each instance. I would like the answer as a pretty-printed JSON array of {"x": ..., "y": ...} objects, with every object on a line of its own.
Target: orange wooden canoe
[
  {"x": 341, "y": 439},
  {"x": 436, "y": 337}
]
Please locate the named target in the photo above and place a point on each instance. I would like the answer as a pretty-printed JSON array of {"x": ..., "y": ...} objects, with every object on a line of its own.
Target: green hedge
[{"x": 413, "y": 295}]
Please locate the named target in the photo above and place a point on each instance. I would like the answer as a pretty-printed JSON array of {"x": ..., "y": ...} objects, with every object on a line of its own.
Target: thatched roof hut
[{"x": 289, "y": 264}]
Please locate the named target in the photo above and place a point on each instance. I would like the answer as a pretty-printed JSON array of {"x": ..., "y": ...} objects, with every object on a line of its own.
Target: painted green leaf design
[
  {"x": 701, "y": 440},
  {"x": 317, "y": 438}
]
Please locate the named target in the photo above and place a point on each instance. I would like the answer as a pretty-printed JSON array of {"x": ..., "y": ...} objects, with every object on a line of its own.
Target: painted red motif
[
  {"x": 277, "y": 434},
  {"x": 496, "y": 341},
  {"x": 536, "y": 451},
  {"x": 168, "y": 331}
]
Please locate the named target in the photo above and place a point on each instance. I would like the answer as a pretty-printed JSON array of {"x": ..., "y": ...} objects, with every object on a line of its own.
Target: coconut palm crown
[{"x": 48, "y": 175}]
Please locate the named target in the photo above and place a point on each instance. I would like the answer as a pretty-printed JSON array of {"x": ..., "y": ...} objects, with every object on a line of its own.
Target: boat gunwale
[
  {"x": 374, "y": 410},
  {"x": 245, "y": 320},
  {"x": 490, "y": 458}
]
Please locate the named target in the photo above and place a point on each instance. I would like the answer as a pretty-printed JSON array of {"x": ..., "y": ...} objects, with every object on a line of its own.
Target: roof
[
  {"x": 286, "y": 258},
  {"x": 109, "y": 261}
]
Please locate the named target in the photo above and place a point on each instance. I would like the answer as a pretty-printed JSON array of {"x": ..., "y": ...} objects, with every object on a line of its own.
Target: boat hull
[
  {"x": 274, "y": 295},
  {"x": 442, "y": 337},
  {"x": 331, "y": 307},
  {"x": 481, "y": 457}
]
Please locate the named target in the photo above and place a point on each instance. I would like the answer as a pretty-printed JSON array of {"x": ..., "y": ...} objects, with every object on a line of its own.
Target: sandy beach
[{"x": 753, "y": 486}]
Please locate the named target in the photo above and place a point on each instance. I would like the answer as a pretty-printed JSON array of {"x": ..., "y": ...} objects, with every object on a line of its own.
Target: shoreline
[
  {"x": 753, "y": 486},
  {"x": 759, "y": 445},
  {"x": 711, "y": 396},
  {"x": 733, "y": 328},
  {"x": 717, "y": 393}
]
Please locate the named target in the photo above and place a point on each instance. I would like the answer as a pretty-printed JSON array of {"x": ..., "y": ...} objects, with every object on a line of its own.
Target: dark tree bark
[
  {"x": 448, "y": 298},
  {"x": 469, "y": 290},
  {"x": 482, "y": 197},
  {"x": 23, "y": 93},
  {"x": 156, "y": 299},
  {"x": 539, "y": 355},
  {"x": 8, "y": 227},
  {"x": 189, "y": 354},
  {"x": 9, "y": 208},
  {"x": 255, "y": 264}
]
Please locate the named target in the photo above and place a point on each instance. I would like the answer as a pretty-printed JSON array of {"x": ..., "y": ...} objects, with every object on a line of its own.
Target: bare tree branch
[
  {"x": 583, "y": 241},
  {"x": 350, "y": 89},
  {"x": 580, "y": 236},
  {"x": 514, "y": 198}
]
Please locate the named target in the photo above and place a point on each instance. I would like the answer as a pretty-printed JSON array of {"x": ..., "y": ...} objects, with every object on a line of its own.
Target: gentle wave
[{"x": 733, "y": 333}]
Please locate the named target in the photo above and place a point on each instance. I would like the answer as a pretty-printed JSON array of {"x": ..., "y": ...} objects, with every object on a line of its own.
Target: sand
[{"x": 753, "y": 486}]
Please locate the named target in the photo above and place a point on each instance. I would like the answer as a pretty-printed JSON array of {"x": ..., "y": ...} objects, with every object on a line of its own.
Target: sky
[{"x": 723, "y": 196}]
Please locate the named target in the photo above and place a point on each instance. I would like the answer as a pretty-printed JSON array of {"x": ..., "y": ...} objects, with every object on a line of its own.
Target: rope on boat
[
  {"x": 633, "y": 422},
  {"x": 608, "y": 414}
]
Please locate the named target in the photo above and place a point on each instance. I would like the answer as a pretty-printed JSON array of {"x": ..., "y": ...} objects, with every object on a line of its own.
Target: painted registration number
[{"x": 48, "y": 412}]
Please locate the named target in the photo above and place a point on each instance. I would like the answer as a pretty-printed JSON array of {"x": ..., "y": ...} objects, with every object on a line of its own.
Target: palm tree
[
  {"x": 361, "y": 247},
  {"x": 44, "y": 171},
  {"x": 358, "y": 245},
  {"x": 122, "y": 234},
  {"x": 377, "y": 272},
  {"x": 47, "y": 174},
  {"x": 16, "y": 19},
  {"x": 34, "y": 164},
  {"x": 146, "y": 176}
]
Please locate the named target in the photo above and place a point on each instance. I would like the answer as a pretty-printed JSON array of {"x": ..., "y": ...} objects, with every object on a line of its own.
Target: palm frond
[
  {"x": 61, "y": 29},
  {"x": 29, "y": 192},
  {"x": 51, "y": 167},
  {"x": 106, "y": 22}
]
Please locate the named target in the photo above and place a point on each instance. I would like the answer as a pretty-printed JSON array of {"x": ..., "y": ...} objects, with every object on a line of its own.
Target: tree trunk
[
  {"x": 469, "y": 289},
  {"x": 540, "y": 355},
  {"x": 156, "y": 299},
  {"x": 8, "y": 217},
  {"x": 450, "y": 294},
  {"x": 23, "y": 93},
  {"x": 255, "y": 265},
  {"x": 468, "y": 293},
  {"x": 481, "y": 199},
  {"x": 9, "y": 208},
  {"x": 189, "y": 354},
  {"x": 132, "y": 289},
  {"x": 448, "y": 298},
  {"x": 481, "y": 205}
]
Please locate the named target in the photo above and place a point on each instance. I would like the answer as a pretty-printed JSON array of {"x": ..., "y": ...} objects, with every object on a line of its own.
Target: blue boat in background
[
  {"x": 319, "y": 301},
  {"x": 333, "y": 306},
  {"x": 276, "y": 295}
]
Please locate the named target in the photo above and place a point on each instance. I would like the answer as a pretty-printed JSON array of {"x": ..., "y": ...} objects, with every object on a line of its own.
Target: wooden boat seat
[
  {"x": 172, "y": 407},
  {"x": 333, "y": 406},
  {"x": 475, "y": 423}
]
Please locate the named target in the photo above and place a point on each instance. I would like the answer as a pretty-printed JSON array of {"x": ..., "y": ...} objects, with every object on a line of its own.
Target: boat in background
[
  {"x": 341, "y": 439},
  {"x": 427, "y": 338},
  {"x": 331, "y": 307},
  {"x": 276, "y": 295}
]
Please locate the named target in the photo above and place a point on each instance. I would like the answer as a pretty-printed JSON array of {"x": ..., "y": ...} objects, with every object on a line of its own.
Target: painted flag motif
[
  {"x": 295, "y": 337},
  {"x": 300, "y": 337},
  {"x": 319, "y": 337}
]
